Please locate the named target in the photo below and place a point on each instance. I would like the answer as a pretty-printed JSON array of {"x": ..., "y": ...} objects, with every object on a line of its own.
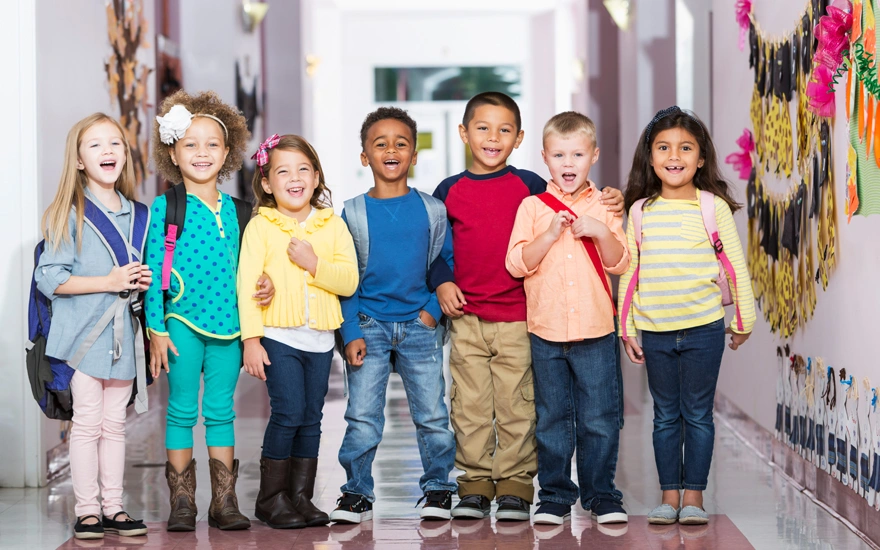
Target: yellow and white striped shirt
[{"x": 678, "y": 269}]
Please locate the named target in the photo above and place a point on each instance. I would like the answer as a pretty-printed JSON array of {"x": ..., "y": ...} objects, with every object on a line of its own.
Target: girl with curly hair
[{"x": 198, "y": 140}]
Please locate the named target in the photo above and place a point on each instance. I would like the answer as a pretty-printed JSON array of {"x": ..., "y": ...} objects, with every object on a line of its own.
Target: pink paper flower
[
  {"x": 743, "y": 10},
  {"x": 832, "y": 32},
  {"x": 742, "y": 160}
]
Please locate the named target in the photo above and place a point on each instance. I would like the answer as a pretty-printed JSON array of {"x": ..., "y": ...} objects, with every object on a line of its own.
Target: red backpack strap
[
  {"x": 556, "y": 205},
  {"x": 635, "y": 215},
  {"x": 710, "y": 222}
]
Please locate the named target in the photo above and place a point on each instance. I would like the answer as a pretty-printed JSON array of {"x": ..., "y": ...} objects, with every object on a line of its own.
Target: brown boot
[
  {"x": 302, "y": 489},
  {"x": 223, "y": 512},
  {"x": 273, "y": 504},
  {"x": 183, "y": 497}
]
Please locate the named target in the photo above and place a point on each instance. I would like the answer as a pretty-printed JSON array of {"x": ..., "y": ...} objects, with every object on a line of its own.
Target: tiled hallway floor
[{"x": 752, "y": 505}]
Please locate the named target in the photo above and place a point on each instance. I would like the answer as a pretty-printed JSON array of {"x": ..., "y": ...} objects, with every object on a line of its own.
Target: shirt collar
[
  {"x": 586, "y": 194},
  {"x": 126, "y": 205}
]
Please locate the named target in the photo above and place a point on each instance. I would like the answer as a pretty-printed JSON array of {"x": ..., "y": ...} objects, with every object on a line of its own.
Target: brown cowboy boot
[
  {"x": 273, "y": 504},
  {"x": 302, "y": 489},
  {"x": 183, "y": 497},
  {"x": 224, "y": 512}
]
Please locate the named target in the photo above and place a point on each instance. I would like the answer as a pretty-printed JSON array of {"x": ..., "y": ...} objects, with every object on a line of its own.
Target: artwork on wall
[
  {"x": 248, "y": 101},
  {"x": 127, "y": 76},
  {"x": 791, "y": 235},
  {"x": 822, "y": 416}
]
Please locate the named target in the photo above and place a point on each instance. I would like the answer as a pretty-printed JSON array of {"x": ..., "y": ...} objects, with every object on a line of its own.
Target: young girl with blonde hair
[{"x": 78, "y": 273}]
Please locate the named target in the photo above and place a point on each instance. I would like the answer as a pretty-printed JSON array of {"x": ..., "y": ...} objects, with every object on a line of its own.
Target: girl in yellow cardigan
[{"x": 306, "y": 249}]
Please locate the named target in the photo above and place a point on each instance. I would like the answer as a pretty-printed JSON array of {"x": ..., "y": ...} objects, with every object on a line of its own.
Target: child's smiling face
[
  {"x": 492, "y": 135},
  {"x": 675, "y": 156},
  {"x": 292, "y": 180},
  {"x": 201, "y": 152},
  {"x": 569, "y": 159},
  {"x": 102, "y": 154},
  {"x": 389, "y": 150}
]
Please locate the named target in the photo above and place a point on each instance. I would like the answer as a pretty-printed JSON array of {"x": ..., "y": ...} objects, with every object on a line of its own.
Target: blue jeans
[
  {"x": 297, "y": 383},
  {"x": 683, "y": 368},
  {"x": 418, "y": 358},
  {"x": 577, "y": 399}
]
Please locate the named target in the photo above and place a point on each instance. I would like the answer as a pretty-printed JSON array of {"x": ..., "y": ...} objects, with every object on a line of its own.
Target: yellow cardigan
[{"x": 264, "y": 249}]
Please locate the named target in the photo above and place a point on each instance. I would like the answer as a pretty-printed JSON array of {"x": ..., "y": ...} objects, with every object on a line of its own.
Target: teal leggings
[{"x": 220, "y": 360}]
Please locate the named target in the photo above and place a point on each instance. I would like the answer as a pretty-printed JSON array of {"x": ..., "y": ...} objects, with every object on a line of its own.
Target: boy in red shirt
[{"x": 493, "y": 402}]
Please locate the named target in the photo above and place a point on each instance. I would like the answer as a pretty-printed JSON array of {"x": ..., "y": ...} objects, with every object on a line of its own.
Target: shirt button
[
  {"x": 570, "y": 283},
  {"x": 312, "y": 322},
  {"x": 572, "y": 310},
  {"x": 44, "y": 271},
  {"x": 569, "y": 256},
  {"x": 311, "y": 295}
]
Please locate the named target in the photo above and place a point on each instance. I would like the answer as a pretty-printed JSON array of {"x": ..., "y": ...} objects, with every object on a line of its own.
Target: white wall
[
  {"x": 842, "y": 330},
  {"x": 21, "y": 458}
]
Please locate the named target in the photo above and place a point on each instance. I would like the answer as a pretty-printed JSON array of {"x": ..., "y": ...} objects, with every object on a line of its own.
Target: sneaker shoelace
[
  {"x": 434, "y": 497},
  {"x": 510, "y": 500},
  {"x": 349, "y": 501},
  {"x": 476, "y": 500}
]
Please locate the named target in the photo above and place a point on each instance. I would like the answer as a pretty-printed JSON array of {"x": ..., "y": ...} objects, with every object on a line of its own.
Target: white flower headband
[{"x": 175, "y": 123}]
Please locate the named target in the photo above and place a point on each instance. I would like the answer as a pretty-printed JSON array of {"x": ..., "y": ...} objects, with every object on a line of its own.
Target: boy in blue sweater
[{"x": 398, "y": 232}]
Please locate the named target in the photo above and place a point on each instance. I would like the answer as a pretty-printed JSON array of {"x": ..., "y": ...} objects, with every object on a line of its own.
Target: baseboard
[{"x": 838, "y": 499}]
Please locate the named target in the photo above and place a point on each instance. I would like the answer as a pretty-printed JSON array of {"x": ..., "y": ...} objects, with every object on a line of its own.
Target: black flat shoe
[
  {"x": 127, "y": 527},
  {"x": 85, "y": 531}
]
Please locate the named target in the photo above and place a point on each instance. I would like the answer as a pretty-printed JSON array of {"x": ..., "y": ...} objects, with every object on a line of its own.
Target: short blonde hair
[{"x": 568, "y": 123}]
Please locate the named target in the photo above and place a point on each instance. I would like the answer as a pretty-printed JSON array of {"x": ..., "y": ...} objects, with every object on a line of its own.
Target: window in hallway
[{"x": 444, "y": 83}]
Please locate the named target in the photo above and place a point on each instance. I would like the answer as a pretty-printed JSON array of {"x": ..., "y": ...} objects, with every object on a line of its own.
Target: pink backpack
[{"x": 725, "y": 268}]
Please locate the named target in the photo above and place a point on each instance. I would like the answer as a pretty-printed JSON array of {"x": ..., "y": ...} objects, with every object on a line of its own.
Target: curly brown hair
[
  {"x": 321, "y": 198},
  {"x": 208, "y": 103}
]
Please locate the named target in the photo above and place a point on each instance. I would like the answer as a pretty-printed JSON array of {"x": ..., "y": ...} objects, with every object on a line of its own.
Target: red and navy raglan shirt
[{"x": 482, "y": 210}]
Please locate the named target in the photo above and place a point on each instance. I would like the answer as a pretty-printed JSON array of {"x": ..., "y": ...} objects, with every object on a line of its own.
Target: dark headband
[{"x": 657, "y": 118}]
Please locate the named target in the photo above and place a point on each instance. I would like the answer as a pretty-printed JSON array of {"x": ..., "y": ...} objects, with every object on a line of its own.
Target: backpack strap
[
  {"x": 123, "y": 251},
  {"x": 243, "y": 211},
  {"x": 437, "y": 222},
  {"x": 556, "y": 205},
  {"x": 175, "y": 215},
  {"x": 356, "y": 216},
  {"x": 635, "y": 215},
  {"x": 707, "y": 209}
]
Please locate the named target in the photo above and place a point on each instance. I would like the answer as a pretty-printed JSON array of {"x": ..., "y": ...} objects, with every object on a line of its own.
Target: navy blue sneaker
[
  {"x": 608, "y": 511},
  {"x": 552, "y": 513}
]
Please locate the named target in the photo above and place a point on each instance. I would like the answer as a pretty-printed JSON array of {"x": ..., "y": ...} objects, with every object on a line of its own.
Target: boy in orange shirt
[{"x": 563, "y": 243}]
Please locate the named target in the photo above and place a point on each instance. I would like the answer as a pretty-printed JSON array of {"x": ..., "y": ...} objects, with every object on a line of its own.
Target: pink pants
[{"x": 97, "y": 442}]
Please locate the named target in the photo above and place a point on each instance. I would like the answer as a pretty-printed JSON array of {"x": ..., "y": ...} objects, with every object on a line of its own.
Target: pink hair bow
[
  {"x": 262, "y": 154},
  {"x": 742, "y": 160},
  {"x": 743, "y": 10}
]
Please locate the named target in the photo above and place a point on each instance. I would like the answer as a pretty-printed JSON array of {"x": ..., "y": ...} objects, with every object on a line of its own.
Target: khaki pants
[{"x": 493, "y": 408}]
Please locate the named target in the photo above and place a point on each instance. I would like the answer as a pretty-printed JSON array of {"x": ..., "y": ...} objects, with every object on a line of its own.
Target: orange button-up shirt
[{"x": 565, "y": 298}]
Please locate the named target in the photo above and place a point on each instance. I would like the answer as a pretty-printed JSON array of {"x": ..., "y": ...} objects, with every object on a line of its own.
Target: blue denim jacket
[{"x": 74, "y": 315}]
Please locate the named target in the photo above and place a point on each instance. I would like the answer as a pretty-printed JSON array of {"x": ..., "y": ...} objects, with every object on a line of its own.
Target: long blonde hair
[{"x": 71, "y": 188}]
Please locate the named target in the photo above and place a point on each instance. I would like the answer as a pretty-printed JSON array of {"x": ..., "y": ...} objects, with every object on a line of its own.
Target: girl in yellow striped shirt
[
  {"x": 677, "y": 301},
  {"x": 307, "y": 251}
]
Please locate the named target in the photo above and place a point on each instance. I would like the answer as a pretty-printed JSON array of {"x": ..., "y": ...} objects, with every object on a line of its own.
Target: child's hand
[
  {"x": 634, "y": 351},
  {"x": 255, "y": 357},
  {"x": 265, "y": 291},
  {"x": 302, "y": 254},
  {"x": 159, "y": 346},
  {"x": 588, "y": 226},
  {"x": 736, "y": 340},
  {"x": 613, "y": 199},
  {"x": 560, "y": 221},
  {"x": 355, "y": 351},
  {"x": 124, "y": 278},
  {"x": 146, "y": 277},
  {"x": 427, "y": 319},
  {"x": 451, "y": 300}
]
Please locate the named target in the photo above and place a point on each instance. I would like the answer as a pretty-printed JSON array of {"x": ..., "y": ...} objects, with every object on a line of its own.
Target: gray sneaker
[
  {"x": 692, "y": 515},
  {"x": 664, "y": 514}
]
